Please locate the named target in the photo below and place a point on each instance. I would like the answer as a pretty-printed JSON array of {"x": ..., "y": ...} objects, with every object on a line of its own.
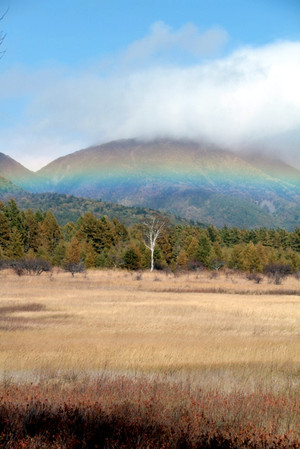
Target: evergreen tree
[
  {"x": 226, "y": 235},
  {"x": 39, "y": 216},
  {"x": 31, "y": 237},
  {"x": 4, "y": 232},
  {"x": 252, "y": 261},
  {"x": 182, "y": 259},
  {"x": 49, "y": 233},
  {"x": 68, "y": 231},
  {"x": 192, "y": 249},
  {"x": 90, "y": 258},
  {"x": 73, "y": 251},
  {"x": 163, "y": 242},
  {"x": 295, "y": 240},
  {"x": 132, "y": 259},
  {"x": 262, "y": 254},
  {"x": 285, "y": 238},
  {"x": 100, "y": 233},
  {"x": 59, "y": 254},
  {"x": 292, "y": 259},
  {"x": 120, "y": 230},
  {"x": 216, "y": 260},
  {"x": 204, "y": 250},
  {"x": 236, "y": 258},
  {"x": 213, "y": 234},
  {"x": 15, "y": 249},
  {"x": 14, "y": 216}
]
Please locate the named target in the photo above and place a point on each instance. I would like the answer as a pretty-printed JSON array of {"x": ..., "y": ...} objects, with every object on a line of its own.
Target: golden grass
[{"x": 114, "y": 321}]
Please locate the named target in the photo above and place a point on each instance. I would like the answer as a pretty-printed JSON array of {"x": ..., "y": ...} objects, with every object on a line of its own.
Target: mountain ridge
[{"x": 196, "y": 180}]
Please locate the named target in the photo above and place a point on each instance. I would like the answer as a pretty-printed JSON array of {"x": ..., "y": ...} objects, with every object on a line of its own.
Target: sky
[{"x": 76, "y": 73}]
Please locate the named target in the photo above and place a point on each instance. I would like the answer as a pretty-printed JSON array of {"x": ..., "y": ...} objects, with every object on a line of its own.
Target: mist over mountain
[{"x": 195, "y": 180}]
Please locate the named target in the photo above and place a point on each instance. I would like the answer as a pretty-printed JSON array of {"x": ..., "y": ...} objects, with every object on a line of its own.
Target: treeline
[{"x": 92, "y": 242}]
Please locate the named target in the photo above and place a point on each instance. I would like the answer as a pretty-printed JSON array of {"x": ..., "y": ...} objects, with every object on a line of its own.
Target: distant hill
[
  {"x": 68, "y": 208},
  {"x": 194, "y": 180},
  {"x": 18, "y": 174},
  {"x": 8, "y": 189}
]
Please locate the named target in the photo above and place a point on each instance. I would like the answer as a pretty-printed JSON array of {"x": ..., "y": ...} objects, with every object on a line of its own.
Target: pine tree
[
  {"x": 182, "y": 259},
  {"x": 15, "y": 249},
  {"x": 4, "y": 231},
  {"x": 295, "y": 240},
  {"x": 90, "y": 231},
  {"x": 68, "y": 231},
  {"x": 49, "y": 233},
  {"x": 216, "y": 260},
  {"x": 120, "y": 230},
  {"x": 252, "y": 261},
  {"x": 204, "y": 250},
  {"x": 90, "y": 259},
  {"x": 31, "y": 237},
  {"x": 73, "y": 251},
  {"x": 59, "y": 254},
  {"x": 15, "y": 217},
  {"x": 262, "y": 253},
  {"x": 163, "y": 241},
  {"x": 213, "y": 234},
  {"x": 192, "y": 249},
  {"x": 236, "y": 257},
  {"x": 132, "y": 259}
]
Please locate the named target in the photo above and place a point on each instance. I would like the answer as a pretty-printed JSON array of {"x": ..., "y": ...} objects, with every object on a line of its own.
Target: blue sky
[{"x": 81, "y": 72}]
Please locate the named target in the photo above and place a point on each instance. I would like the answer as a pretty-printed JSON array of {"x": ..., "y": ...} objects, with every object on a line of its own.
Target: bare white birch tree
[{"x": 152, "y": 230}]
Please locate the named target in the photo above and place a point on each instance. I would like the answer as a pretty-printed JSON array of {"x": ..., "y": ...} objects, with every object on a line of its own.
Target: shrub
[
  {"x": 195, "y": 264},
  {"x": 35, "y": 266},
  {"x": 73, "y": 267},
  {"x": 121, "y": 413},
  {"x": 297, "y": 275},
  {"x": 256, "y": 277},
  {"x": 277, "y": 272}
]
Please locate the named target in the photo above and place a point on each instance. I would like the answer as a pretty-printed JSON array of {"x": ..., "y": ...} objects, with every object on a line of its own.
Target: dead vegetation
[{"x": 215, "y": 360}]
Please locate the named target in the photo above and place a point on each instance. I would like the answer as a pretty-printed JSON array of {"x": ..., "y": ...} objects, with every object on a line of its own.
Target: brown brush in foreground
[{"x": 125, "y": 412}]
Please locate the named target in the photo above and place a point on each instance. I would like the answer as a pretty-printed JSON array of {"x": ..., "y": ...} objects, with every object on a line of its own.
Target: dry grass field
[
  {"x": 113, "y": 359},
  {"x": 153, "y": 323}
]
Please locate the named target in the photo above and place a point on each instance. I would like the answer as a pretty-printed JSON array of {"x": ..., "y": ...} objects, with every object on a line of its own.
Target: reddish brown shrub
[{"x": 124, "y": 413}]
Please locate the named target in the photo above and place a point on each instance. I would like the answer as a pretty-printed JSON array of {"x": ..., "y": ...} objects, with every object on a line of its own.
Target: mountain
[
  {"x": 17, "y": 173},
  {"x": 68, "y": 208},
  {"x": 8, "y": 189},
  {"x": 195, "y": 180}
]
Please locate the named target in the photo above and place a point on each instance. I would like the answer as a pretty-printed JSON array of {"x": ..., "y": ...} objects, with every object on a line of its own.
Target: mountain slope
[
  {"x": 195, "y": 180},
  {"x": 8, "y": 189},
  {"x": 68, "y": 208},
  {"x": 18, "y": 174}
]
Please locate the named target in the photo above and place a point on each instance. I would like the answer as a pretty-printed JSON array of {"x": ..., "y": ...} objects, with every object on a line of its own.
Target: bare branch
[{"x": 2, "y": 35}]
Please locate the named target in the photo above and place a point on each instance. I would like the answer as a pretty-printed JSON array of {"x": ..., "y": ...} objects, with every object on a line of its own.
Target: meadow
[{"x": 139, "y": 359}]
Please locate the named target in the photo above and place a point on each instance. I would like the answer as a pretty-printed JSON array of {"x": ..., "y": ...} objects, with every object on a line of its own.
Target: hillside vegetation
[
  {"x": 108, "y": 243},
  {"x": 194, "y": 180}
]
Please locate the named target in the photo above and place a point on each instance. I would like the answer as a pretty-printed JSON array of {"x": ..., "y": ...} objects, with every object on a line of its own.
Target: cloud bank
[{"x": 249, "y": 99}]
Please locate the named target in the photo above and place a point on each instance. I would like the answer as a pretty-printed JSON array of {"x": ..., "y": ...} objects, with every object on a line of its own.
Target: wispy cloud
[
  {"x": 163, "y": 41},
  {"x": 250, "y": 96}
]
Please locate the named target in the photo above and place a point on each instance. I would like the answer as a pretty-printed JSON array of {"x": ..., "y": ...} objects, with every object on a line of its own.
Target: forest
[{"x": 103, "y": 243}]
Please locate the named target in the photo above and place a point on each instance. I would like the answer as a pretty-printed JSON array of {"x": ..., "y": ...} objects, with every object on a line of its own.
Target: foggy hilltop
[{"x": 195, "y": 180}]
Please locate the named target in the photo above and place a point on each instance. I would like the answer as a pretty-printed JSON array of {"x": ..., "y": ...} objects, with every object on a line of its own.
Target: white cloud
[
  {"x": 162, "y": 40},
  {"x": 249, "y": 96}
]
